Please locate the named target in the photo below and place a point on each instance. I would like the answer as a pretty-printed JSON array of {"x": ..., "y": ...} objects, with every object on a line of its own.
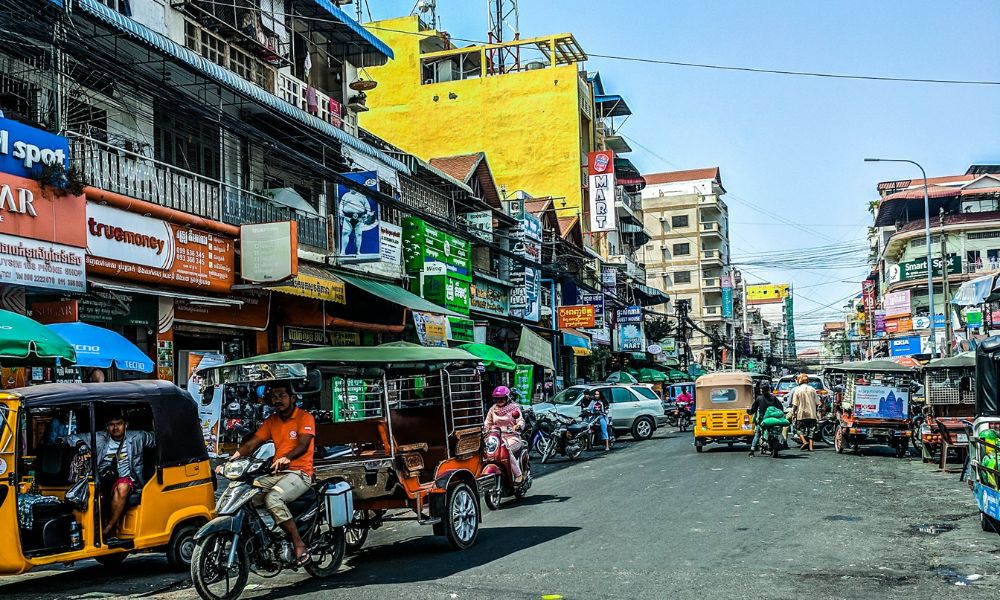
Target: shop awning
[
  {"x": 976, "y": 291},
  {"x": 397, "y": 295},
  {"x": 135, "y": 289},
  {"x": 345, "y": 34},
  {"x": 316, "y": 283},
  {"x": 650, "y": 295},
  {"x": 535, "y": 348},
  {"x": 577, "y": 340},
  {"x": 611, "y": 105},
  {"x": 100, "y": 348}
]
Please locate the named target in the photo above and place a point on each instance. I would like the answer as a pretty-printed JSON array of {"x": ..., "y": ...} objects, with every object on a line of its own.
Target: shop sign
[
  {"x": 974, "y": 318},
  {"x": 269, "y": 251},
  {"x": 880, "y": 402},
  {"x": 391, "y": 249},
  {"x": 631, "y": 337},
  {"x": 868, "y": 294},
  {"x": 253, "y": 313},
  {"x": 767, "y": 293},
  {"x": 896, "y": 303},
  {"x": 632, "y": 314},
  {"x": 481, "y": 224},
  {"x": 906, "y": 346},
  {"x": 524, "y": 384},
  {"x": 359, "y": 240},
  {"x": 24, "y": 149},
  {"x": 303, "y": 336},
  {"x": 461, "y": 330},
  {"x": 917, "y": 269},
  {"x": 669, "y": 346},
  {"x": 578, "y": 316},
  {"x": 140, "y": 248},
  {"x": 424, "y": 244},
  {"x": 654, "y": 349},
  {"x": 601, "y": 172},
  {"x": 898, "y": 325},
  {"x": 348, "y": 396},
  {"x": 345, "y": 338},
  {"x": 921, "y": 322},
  {"x": 41, "y": 264},
  {"x": 597, "y": 301},
  {"x": 57, "y": 311},
  {"x": 879, "y": 321},
  {"x": 600, "y": 335},
  {"x": 529, "y": 238},
  {"x": 432, "y": 329},
  {"x": 535, "y": 348},
  {"x": 101, "y": 307},
  {"x": 447, "y": 291},
  {"x": 28, "y": 210},
  {"x": 488, "y": 297},
  {"x": 609, "y": 280},
  {"x": 526, "y": 293},
  {"x": 317, "y": 287}
]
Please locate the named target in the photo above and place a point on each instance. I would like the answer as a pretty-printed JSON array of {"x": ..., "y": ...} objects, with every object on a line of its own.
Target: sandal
[{"x": 303, "y": 559}]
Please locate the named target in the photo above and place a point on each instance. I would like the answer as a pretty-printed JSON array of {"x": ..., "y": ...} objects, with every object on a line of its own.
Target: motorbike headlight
[
  {"x": 234, "y": 469},
  {"x": 492, "y": 444}
]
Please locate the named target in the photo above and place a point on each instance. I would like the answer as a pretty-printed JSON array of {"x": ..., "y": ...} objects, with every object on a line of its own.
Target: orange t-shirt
[{"x": 285, "y": 435}]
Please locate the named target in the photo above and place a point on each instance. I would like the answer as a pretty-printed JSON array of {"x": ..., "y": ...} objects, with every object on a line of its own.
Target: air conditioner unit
[
  {"x": 663, "y": 246},
  {"x": 662, "y": 218}
]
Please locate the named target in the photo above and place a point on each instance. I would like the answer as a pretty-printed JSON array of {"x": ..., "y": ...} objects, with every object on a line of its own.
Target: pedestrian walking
[{"x": 805, "y": 405}]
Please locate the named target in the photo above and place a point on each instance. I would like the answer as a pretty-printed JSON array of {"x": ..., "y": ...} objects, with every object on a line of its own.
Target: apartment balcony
[
  {"x": 632, "y": 269},
  {"x": 242, "y": 23},
  {"x": 711, "y": 257},
  {"x": 293, "y": 91},
  {"x": 118, "y": 170},
  {"x": 711, "y": 313},
  {"x": 710, "y": 229},
  {"x": 711, "y": 284}
]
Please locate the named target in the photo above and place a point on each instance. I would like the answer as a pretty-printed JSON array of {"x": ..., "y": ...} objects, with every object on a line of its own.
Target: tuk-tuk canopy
[
  {"x": 871, "y": 366},
  {"x": 965, "y": 360},
  {"x": 179, "y": 438},
  {"x": 987, "y": 371},
  {"x": 729, "y": 390}
]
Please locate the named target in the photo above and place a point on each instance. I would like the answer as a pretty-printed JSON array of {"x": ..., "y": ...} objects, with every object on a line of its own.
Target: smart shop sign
[{"x": 25, "y": 150}]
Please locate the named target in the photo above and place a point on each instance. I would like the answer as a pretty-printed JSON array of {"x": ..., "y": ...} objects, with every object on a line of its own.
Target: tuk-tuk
[
  {"x": 984, "y": 443},
  {"x": 401, "y": 424},
  {"x": 721, "y": 403},
  {"x": 39, "y": 467},
  {"x": 949, "y": 398},
  {"x": 873, "y": 405}
]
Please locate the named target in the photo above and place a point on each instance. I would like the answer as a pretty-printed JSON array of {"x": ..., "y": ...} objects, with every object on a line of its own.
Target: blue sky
[{"x": 786, "y": 145}]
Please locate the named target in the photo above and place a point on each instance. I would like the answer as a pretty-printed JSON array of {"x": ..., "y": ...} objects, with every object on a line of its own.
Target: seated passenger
[{"x": 119, "y": 463}]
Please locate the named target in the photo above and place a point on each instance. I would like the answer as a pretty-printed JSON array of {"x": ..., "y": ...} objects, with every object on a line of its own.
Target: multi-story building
[
  {"x": 965, "y": 243},
  {"x": 687, "y": 254}
]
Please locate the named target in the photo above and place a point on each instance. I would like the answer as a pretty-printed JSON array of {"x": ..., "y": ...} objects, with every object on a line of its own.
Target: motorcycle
[
  {"x": 678, "y": 415},
  {"x": 496, "y": 459},
  {"x": 569, "y": 437},
  {"x": 531, "y": 434},
  {"x": 242, "y": 538},
  {"x": 826, "y": 430},
  {"x": 594, "y": 441},
  {"x": 771, "y": 441}
]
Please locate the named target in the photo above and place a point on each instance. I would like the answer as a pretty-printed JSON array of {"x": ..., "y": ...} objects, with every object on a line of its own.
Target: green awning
[
  {"x": 491, "y": 357},
  {"x": 395, "y": 294}
]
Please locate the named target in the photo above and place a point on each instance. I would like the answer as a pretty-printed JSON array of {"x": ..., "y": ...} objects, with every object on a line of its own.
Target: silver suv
[{"x": 631, "y": 407}]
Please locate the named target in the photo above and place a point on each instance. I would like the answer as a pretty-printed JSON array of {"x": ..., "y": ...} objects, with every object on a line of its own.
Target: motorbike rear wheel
[
  {"x": 208, "y": 567},
  {"x": 356, "y": 532},
  {"x": 575, "y": 452},
  {"x": 827, "y": 432},
  {"x": 330, "y": 547}
]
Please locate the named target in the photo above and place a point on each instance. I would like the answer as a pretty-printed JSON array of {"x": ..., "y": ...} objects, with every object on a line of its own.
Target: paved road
[{"x": 656, "y": 520}]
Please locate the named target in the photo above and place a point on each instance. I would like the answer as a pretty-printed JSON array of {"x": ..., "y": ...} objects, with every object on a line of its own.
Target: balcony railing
[
  {"x": 710, "y": 227},
  {"x": 293, "y": 91},
  {"x": 118, "y": 170},
  {"x": 982, "y": 266},
  {"x": 710, "y": 282},
  {"x": 711, "y": 254}
]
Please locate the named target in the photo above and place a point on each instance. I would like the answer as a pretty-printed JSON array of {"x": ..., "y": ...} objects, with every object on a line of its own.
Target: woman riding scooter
[{"x": 506, "y": 416}]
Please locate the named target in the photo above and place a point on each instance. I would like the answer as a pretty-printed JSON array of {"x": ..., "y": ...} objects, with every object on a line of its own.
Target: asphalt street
[{"x": 652, "y": 520}]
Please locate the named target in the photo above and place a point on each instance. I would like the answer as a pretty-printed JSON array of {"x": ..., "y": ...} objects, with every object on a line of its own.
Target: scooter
[
  {"x": 771, "y": 441},
  {"x": 497, "y": 457},
  {"x": 569, "y": 437},
  {"x": 594, "y": 441}
]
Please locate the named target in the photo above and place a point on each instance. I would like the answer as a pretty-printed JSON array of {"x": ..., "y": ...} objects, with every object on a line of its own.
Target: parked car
[
  {"x": 633, "y": 408},
  {"x": 787, "y": 384}
]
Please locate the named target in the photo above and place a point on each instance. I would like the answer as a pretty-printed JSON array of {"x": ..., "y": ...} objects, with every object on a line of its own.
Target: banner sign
[
  {"x": 141, "y": 248},
  {"x": 601, "y": 171},
  {"x": 24, "y": 150},
  {"x": 879, "y": 321},
  {"x": 609, "y": 280},
  {"x": 898, "y": 325},
  {"x": 880, "y": 402},
  {"x": 524, "y": 383},
  {"x": 432, "y": 330},
  {"x": 896, "y": 303},
  {"x": 358, "y": 214},
  {"x": 727, "y": 297},
  {"x": 767, "y": 293},
  {"x": 269, "y": 252},
  {"x": 576, "y": 317},
  {"x": 632, "y": 314},
  {"x": 868, "y": 293},
  {"x": 481, "y": 224},
  {"x": 631, "y": 337},
  {"x": 488, "y": 297},
  {"x": 917, "y": 269},
  {"x": 597, "y": 301},
  {"x": 423, "y": 244},
  {"x": 535, "y": 348},
  {"x": 906, "y": 346}
]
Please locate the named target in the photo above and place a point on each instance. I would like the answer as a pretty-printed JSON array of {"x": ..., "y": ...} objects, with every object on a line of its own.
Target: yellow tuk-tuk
[
  {"x": 721, "y": 403},
  {"x": 38, "y": 466}
]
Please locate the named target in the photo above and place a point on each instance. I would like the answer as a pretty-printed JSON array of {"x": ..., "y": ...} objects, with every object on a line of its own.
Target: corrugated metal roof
[{"x": 381, "y": 53}]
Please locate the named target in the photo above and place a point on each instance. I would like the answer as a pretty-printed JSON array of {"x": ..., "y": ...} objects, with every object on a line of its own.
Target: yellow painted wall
[{"x": 527, "y": 123}]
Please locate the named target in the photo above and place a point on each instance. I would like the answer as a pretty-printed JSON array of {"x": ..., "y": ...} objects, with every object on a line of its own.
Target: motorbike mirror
[{"x": 312, "y": 384}]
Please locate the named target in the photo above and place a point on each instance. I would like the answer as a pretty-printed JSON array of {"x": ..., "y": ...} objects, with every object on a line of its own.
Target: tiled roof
[
  {"x": 460, "y": 167},
  {"x": 688, "y": 175},
  {"x": 566, "y": 225}
]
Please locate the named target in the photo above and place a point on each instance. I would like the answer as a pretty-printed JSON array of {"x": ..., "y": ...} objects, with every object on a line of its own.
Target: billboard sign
[
  {"x": 880, "y": 402},
  {"x": 358, "y": 214},
  {"x": 896, "y": 303},
  {"x": 601, "y": 171}
]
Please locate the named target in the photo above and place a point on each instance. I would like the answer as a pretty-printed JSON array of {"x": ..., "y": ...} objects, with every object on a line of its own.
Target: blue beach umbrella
[{"x": 99, "y": 347}]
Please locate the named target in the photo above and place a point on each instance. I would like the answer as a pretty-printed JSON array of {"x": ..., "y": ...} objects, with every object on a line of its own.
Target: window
[
  {"x": 677, "y": 221},
  {"x": 568, "y": 396},
  {"x": 682, "y": 277},
  {"x": 645, "y": 392},
  {"x": 723, "y": 395},
  {"x": 682, "y": 249},
  {"x": 620, "y": 395},
  {"x": 976, "y": 206}
]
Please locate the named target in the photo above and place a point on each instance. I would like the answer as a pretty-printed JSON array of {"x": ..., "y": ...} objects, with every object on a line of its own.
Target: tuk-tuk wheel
[
  {"x": 181, "y": 547},
  {"x": 461, "y": 516},
  {"x": 698, "y": 446},
  {"x": 111, "y": 561},
  {"x": 902, "y": 447},
  {"x": 838, "y": 440}
]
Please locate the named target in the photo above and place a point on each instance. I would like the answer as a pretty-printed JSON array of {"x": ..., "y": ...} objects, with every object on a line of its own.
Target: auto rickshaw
[
  {"x": 36, "y": 463},
  {"x": 401, "y": 424},
  {"x": 949, "y": 399},
  {"x": 984, "y": 442},
  {"x": 873, "y": 405},
  {"x": 721, "y": 403}
]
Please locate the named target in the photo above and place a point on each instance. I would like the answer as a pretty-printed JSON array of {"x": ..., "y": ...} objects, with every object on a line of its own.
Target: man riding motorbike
[
  {"x": 762, "y": 400},
  {"x": 506, "y": 416},
  {"x": 292, "y": 430}
]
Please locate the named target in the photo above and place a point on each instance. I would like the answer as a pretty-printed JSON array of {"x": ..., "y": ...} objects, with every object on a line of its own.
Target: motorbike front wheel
[
  {"x": 212, "y": 579},
  {"x": 494, "y": 497},
  {"x": 827, "y": 432},
  {"x": 574, "y": 452},
  {"x": 327, "y": 552}
]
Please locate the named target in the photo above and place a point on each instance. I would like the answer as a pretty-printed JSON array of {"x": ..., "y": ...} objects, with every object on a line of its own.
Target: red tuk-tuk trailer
[{"x": 872, "y": 405}]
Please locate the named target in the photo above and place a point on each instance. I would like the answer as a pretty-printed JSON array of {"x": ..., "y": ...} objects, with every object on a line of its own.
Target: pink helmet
[{"x": 501, "y": 391}]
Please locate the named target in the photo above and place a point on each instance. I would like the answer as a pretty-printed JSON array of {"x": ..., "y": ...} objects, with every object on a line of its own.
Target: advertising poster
[
  {"x": 524, "y": 383},
  {"x": 358, "y": 217},
  {"x": 879, "y": 402},
  {"x": 210, "y": 414},
  {"x": 897, "y": 303},
  {"x": 432, "y": 330},
  {"x": 601, "y": 171},
  {"x": 576, "y": 317},
  {"x": 597, "y": 301},
  {"x": 609, "y": 280}
]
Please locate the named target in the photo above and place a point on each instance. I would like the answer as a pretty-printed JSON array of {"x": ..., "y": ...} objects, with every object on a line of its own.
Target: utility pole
[
  {"x": 682, "y": 331},
  {"x": 946, "y": 351}
]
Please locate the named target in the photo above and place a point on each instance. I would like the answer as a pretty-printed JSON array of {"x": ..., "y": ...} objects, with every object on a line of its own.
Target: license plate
[
  {"x": 962, "y": 438},
  {"x": 747, "y": 427}
]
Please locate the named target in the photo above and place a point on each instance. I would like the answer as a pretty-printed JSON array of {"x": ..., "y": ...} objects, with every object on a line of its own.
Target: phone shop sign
[{"x": 25, "y": 150}]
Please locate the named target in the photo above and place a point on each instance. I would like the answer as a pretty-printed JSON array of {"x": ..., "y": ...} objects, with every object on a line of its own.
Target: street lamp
[{"x": 927, "y": 238}]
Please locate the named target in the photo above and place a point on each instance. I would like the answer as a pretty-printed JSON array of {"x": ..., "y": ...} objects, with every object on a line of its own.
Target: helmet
[{"x": 501, "y": 391}]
